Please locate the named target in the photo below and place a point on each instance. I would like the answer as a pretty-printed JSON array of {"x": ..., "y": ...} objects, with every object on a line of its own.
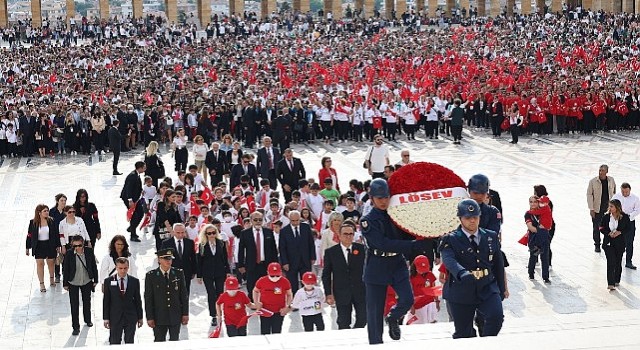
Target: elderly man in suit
[
  {"x": 268, "y": 158},
  {"x": 122, "y": 304},
  {"x": 80, "y": 276},
  {"x": 244, "y": 168},
  {"x": 185, "y": 253},
  {"x": 289, "y": 172},
  {"x": 256, "y": 249},
  {"x": 131, "y": 194},
  {"x": 216, "y": 162},
  {"x": 342, "y": 278},
  {"x": 297, "y": 249}
]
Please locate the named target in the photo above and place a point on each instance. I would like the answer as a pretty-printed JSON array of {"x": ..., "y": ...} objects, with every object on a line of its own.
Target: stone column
[
  {"x": 171, "y": 9},
  {"x": 637, "y": 6},
  {"x": 556, "y": 5},
  {"x": 305, "y": 6},
  {"x": 525, "y": 7},
  {"x": 36, "y": 13},
  {"x": 433, "y": 7},
  {"x": 495, "y": 9},
  {"x": 540, "y": 6},
  {"x": 482, "y": 8},
  {"x": 628, "y": 6},
  {"x": 336, "y": 9},
  {"x": 266, "y": 7},
  {"x": 510, "y": 6},
  {"x": 451, "y": 5},
  {"x": 4, "y": 15},
  {"x": 103, "y": 6},
  {"x": 138, "y": 10},
  {"x": 464, "y": 4},
  {"x": 419, "y": 6},
  {"x": 71, "y": 11},
  {"x": 204, "y": 12},
  {"x": 295, "y": 4},
  {"x": 586, "y": 4},
  {"x": 369, "y": 6},
  {"x": 401, "y": 7},
  {"x": 388, "y": 8}
]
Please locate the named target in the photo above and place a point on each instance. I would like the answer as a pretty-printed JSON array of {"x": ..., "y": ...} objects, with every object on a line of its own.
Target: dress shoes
[
  {"x": 89, "y": 324},
  {"x": 135, "y": 239},
  {"x": 394, "y": 328},
  {"x": 117, "y": 173},
  {"x": 75, "y": 332},
  {"x": 632, "y": 267}
]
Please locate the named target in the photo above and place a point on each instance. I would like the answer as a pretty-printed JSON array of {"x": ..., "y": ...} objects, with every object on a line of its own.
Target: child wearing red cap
[
  {"x": 234, "y": 303},
  {"x": 272, "y": 296},
  {"x": 309, "y": 301},
  {"x": 425, "y": 307}
]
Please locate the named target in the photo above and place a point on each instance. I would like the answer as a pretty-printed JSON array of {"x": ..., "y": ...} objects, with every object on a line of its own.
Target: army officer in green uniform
[{"x": 165, "y": 298}]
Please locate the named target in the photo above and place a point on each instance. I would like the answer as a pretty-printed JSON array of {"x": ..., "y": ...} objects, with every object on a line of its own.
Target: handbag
[
  {"x": 367, "y": 162},
  {"x": 162, "y": 173}
]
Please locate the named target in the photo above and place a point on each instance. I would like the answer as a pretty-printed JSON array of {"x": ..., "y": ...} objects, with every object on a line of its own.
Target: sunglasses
[
  {"x": 210, "y": 233},
  {"x": 256, "y": 220},
  {"x": 71, "y": 212},
  {"x": 348, "y": 233},
  {"x": 77, "y": 245}
]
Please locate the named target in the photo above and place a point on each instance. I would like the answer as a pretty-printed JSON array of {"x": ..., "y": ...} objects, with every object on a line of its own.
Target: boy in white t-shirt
[
  {"x": 308, "y": 300},
  {"x": 315, "y": 200},
  {"x": 197, "y": 177},
  {"x": 192, "y": 228},
  {"x": 149, "y": 190}
]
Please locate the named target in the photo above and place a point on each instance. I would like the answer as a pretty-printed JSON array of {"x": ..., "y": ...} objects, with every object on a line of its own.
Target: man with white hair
[{"x": 297, "y": 249}]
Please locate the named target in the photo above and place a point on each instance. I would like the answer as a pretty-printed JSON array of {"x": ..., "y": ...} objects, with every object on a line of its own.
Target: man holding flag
[{"x": 131, "y": 195}]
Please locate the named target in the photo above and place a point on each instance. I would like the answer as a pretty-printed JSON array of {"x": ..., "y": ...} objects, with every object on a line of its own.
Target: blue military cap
[
  {"x": 468, "y": 208},
  {"x": 478, "y": 183},
  {"x": 379, "y": 189}
]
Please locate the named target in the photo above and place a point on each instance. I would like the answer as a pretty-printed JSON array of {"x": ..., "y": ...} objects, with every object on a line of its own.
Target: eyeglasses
[
  {"x": 245, "y": 163},
  {"x": 209, "y": 233},
  {"x": 71, "y": 212},
  {"x": 77, "y": 245},
  {"x": 256, "y": 220},
  {"x": 348, "y": 233}
]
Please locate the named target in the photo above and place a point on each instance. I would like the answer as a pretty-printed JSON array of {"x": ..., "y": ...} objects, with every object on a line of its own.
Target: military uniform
[
  {"x": 476, "y": 280},
  {"x": 386, "y": 265},
  {"x": 166, "y": 301},
  {"x": 490, "y": 219}
]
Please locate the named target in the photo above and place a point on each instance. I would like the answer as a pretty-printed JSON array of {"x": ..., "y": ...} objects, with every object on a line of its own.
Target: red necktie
[
  {"x": 258, "y": 252},
  {"x": 121, "y": 286},
  {"x": 263, "y": 200}
]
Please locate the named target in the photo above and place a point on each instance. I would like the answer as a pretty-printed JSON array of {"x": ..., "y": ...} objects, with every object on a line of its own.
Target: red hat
[
  {"x": 309, "y": 278},
  {"x": 421, "y": 263},
  {"x": 274, "y": 269},
  {"x": 231, "y": 283}
]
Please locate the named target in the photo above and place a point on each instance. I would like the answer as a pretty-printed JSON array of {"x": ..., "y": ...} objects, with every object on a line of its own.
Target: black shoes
[
  {"x": 117, "y": 173},
  {"x": 598, "y": 249},
  {"x": 531, "y": 277},
  {"x": 547, "y": 281},
  {"x": 89, "y": 324},
  {"x": 135, "y": 239},
  {"x": 394, "y": 329},
  {"x": 632, "y": 267},
  {"x": 214, "y": 322},
  {"x": 75, "y": 331}
]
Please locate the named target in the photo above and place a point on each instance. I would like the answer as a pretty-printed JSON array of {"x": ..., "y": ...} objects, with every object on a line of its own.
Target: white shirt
[
  {"x": 179, "y": 252},
  {"x": 107, "y": 265},
  {"x": 345, "y": 253},
  {"x": 379, "y": 156},
  {"x": 68, "y": 230},
  {"x": 630, "y": 204}
]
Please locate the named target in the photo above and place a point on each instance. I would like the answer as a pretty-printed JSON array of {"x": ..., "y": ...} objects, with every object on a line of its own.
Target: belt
[
  {"x": 377, "y": 252},
  {"x": 478, "y": 274},
  {"x": 180, "y": 147}
]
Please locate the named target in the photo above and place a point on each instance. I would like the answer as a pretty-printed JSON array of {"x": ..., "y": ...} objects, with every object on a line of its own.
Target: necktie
[
  {"x": 180, "y": 248},
  {"x": 472, "y": 240},
  {"x": 258, "y": 252},
  {"x": 290, "y": 165},
  {"x": 297, "y": 234},
  {"x": 348, "y": 256},
  {"x": 245, "y": 170},
  {"x": 216, "y": 154},
  {"x": 270, "y": 158},
  {"x": 263, "y": 201},
  {"x": 166, "y": 277},
  {"x": 121, "y": 286}
]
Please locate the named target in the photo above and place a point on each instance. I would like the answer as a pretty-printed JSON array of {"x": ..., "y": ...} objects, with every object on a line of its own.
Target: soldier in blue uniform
[
  {"x": 476, "y": 281},
  {"x": 385, "y": 264}
]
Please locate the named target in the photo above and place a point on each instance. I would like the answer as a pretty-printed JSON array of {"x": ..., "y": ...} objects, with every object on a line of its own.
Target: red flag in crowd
[
  {"x": 539, "y": 57},
  {"x": 195, "y": 209},
  {"x": 216, "y": 332},
  {"x": 207, "y": 196}
]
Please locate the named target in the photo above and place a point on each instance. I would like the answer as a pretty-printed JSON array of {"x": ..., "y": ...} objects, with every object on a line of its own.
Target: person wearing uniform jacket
[
  {"x": 166, "y": 301},
  {"x": 615, "y": 224},
  {"x": 599, "y": 192},
  {"x": 385, "y": 265},
  {"x": 342, "y": 278},
  {"x": 476, "y": 281},
  {"x": 212, "y": 266},
  {"x": 122, "y": 304}
]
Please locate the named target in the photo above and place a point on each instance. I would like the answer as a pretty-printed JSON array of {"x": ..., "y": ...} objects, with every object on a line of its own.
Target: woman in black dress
[
  {"x": 89, "y": 214},
  {"x": 43, "y": 240},
  {"x": 43, "y": 135},
  {"x": 57, "y": 214},
  {"x": 166, "y": 215},
  {"x": 155, "y": 166},
  {"x": 614, "y": 225},
  {"x": 213, "y": 265}
]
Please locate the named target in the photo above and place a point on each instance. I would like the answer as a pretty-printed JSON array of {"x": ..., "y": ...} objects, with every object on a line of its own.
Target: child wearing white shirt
[
  {"x": 308, "y": 300},
  {"x": 149, "y": 190}
]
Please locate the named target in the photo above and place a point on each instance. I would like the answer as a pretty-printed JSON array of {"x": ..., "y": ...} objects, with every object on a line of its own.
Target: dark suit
[
  {"x": 213, "y": 269},
  {"x": 238, "y": 170},
  {"x": 290, "y": 177},
  {"x": 186, "y": 261},
  {"x": 249, "y": 117},
  {"x": 264, "y": 165},
  {"x": 69, "y": 269},
  {"x": 165, "y": 302},
  {"x": 115, "y": 142},
  {"x": 247, "y": 255},
  {"x": 344, "y": 282},
  {"x": 27, "y": 128},
  {"x": 132, "y": 189},
  {"x": 297, "y": 252},
  {"x": 218, "y": 164},
  {"x": 121, "y": 310}
]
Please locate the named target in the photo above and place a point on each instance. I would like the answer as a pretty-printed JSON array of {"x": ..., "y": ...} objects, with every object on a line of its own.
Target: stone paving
[{"x": 30, "y": 319}]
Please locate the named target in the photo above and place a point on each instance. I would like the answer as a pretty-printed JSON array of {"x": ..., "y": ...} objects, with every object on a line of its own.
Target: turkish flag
[
  {"x": 216, "y": 332},
  {"x": 146, "y": 221},
  {"x": 207, "y": 196},
  {"x": 377, "y": 122},
  {"x": 432, "y": 291},
  {"x": 524, "y": 240},
  {"x": 131, "y": 210},
  {"x": 195, "y": 210}
]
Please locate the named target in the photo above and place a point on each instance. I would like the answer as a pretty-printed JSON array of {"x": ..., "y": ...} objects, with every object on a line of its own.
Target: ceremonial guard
[
  {"x": 385, "y": 265},
  {"x": 476, "y": 281},
  {"x": 165, "y": 298},
  {"x": 491, "y": 218}
]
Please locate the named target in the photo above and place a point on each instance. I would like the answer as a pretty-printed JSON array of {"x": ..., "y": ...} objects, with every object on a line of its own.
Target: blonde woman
[
  {"x": 331, "y": 233},
  {"x": 155, "y": 166},
  {"x": 200, "y": 150},
  {"x": 98, "y": 125},
  {"x": 212, "y": 265}
]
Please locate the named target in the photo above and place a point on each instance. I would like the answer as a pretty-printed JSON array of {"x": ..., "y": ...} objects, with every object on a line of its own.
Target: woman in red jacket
[{"x": 328, "y": 172}]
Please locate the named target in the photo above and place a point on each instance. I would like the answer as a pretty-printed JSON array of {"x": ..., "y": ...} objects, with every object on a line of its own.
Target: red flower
[
  {"x": 423, "y": 176},
  {"x": 356, "y": 252}
]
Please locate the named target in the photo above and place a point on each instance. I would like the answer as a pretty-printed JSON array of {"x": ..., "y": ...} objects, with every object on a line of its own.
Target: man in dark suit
[
  {"x": 216, "y": 163},
  {"x": 185, "y": 253},
  {"x": 166, "y": 301},
  {"x": 281, "y": 126},
  {"x": 115, "y": 143},
  {"x": 268, "y": 158},
  {"x": 122, "y": 304},
  {"x": 342, "y": 278},
  {"x": 289, "y": 172},
  {"x": 132, "y": 194},
  {"x": 80, "y": 276},
  {"x": 256, "y": 249},
  {"x": 297, "y": 249},
  {"x": 250, "y": 115},
  {"x": 27, "y": 128},
  {"x": 244, "y": 168}
]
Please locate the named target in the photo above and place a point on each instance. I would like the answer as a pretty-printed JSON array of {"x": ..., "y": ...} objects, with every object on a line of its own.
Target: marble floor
[{"x": 30, "y": 319}]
